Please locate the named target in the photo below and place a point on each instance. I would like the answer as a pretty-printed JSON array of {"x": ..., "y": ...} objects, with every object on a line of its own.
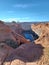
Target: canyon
[{"x": 24, "y": 43}]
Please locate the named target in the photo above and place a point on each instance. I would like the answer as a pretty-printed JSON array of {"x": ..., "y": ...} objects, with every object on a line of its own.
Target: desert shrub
[{"x": 11, "y": 43}]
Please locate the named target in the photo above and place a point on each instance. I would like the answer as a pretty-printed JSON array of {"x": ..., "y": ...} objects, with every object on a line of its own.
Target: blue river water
[{"x": 28, "y": 36}]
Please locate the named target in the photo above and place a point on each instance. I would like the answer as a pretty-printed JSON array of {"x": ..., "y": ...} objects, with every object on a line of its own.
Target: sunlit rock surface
[
  {"x": 40, "y": 28},
  {"x": 43, "y": 31}
]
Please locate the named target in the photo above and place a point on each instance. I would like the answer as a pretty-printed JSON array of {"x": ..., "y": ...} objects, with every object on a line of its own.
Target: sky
[{"x": 24, "y": 10}]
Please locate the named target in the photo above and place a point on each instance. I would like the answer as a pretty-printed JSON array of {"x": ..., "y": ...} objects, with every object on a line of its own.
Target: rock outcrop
[
  {"x": 43, "y": 31},
  {"x": 8, "y": 34},
  {"x": 5, "y": 32},
  {"x": 8, "y": 41},
  {"x": 5, "y": 51},
  {"x": 40, "y": 28},
  {"x": 16, "y": 28},
  {"x": 24, "y": 54}
]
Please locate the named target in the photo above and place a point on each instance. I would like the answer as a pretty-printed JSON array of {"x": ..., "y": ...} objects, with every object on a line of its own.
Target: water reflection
[{"x": 28, "y": 36}]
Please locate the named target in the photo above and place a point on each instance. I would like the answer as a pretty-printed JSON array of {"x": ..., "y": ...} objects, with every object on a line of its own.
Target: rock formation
[
  {"x": 26, "y": 53},
  {"x": 5, "y": 51},
  {"x": 5, "y": 32},
  {"x": 40, "y": 28},
  {"x": 43, "y": 31},
  {"x": 15, "y": 27}
]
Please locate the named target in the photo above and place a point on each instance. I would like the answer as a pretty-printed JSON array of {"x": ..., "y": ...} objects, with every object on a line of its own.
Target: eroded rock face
[
  {"x": 6, "y": 41},
  {"x": 20, "y": 39},
  {"x": 40, "y": 28},
  {"x": 43, "y": 40},
  {"x": 17, "y": 31},
  {"x": 4, "y": 52},
  {"x": 5, "y": 32},
  {"x": 43, "y": 31},
  {"x": 3, "y": 55},
  {"x": 15, "y": 28},
  {"x": 14, "y": 61},
  {"x": 24, "y": 54}
]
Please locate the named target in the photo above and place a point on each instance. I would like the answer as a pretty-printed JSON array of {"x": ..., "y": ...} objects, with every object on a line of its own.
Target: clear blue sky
[{"x": 24, "y": 10}]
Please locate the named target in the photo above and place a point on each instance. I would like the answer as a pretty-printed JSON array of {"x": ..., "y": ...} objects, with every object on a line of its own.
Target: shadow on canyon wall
[{"x": 27, "y": 53}]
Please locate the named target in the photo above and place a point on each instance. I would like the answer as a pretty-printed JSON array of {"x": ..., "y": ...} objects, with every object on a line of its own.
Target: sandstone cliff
[{"x": 34, "y": 53}]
